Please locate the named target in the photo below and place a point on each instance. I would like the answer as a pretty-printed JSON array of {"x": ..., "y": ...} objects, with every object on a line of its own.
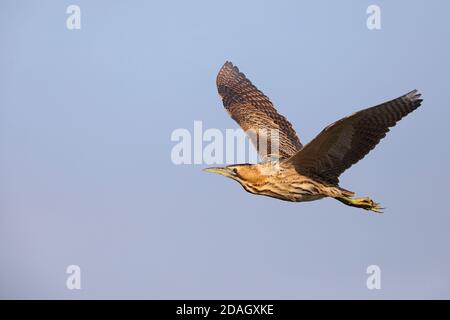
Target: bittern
[{"x": 294, "y": 172}]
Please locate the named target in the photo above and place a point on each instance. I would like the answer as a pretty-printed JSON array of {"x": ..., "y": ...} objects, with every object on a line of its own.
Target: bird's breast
[{"x": 288, "y": 186}]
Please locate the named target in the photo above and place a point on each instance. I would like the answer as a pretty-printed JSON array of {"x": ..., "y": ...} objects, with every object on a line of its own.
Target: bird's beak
[{"x": 224, "y": 171}]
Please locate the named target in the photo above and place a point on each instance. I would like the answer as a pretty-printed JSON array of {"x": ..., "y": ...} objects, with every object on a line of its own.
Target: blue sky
[{"x": 86, "y": 176}]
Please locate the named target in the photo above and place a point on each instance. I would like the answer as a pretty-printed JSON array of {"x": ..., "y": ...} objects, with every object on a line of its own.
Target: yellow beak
[{"x": 224, "y": 171}]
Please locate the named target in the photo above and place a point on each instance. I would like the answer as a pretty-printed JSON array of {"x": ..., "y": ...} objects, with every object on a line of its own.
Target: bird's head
[{"x": 245, "y": 174}]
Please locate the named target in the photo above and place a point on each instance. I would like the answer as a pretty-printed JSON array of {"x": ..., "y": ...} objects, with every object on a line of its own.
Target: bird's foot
[{"x": 364, "y": 203}]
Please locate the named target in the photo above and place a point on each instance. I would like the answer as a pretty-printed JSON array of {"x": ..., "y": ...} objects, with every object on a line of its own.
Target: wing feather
[
  {"x": 345, "y": 142},
  {"x": 256, "y": 115}
]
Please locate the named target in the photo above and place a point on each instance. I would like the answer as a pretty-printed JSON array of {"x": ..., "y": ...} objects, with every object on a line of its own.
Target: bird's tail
[{"x": 363, "y": 203}]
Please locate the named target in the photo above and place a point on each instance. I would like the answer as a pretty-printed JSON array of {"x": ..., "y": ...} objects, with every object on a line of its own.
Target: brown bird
[{"x": 293, "y": 172}]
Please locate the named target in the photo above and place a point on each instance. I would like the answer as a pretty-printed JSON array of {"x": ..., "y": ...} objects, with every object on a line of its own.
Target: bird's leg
[{"x": 364, "y": 203}]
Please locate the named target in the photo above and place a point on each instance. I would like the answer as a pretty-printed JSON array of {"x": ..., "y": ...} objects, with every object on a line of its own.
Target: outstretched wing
[
  {"x": 345, "y": 142},
  {"x": 256, "y": 115}
]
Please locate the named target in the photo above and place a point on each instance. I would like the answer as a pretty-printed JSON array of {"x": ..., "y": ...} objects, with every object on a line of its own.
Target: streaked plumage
[
  {"x": 252, "y": 110},
  {"x": 310, "y": 172}
]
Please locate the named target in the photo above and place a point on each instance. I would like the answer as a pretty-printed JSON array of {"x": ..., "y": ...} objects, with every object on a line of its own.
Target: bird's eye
[{"x": 235, "y": 171}]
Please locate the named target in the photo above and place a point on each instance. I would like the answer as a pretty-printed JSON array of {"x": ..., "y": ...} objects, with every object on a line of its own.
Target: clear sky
[{"x": 86, "y": 176}]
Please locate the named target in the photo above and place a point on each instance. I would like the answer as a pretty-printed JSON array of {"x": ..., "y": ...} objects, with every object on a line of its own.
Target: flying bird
[{"x": 293, "y": 172}]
